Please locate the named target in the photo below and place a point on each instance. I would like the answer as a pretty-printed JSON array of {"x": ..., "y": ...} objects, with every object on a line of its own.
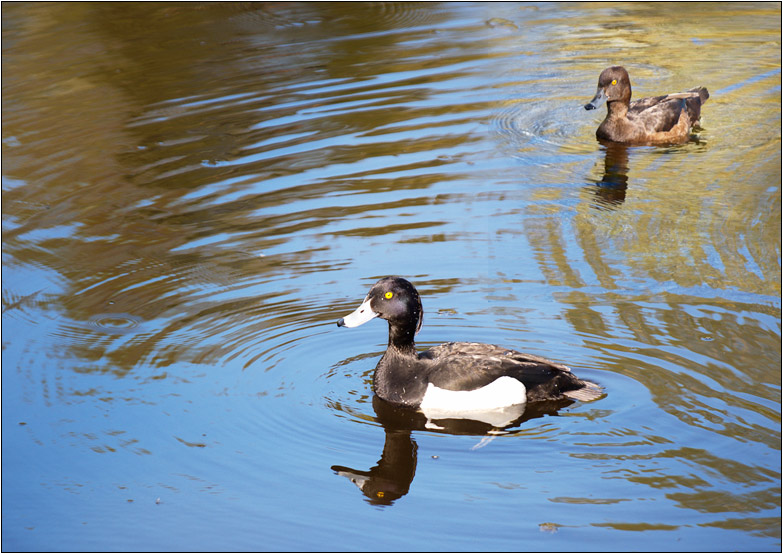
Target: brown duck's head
[{"x": 614, "y": 85}]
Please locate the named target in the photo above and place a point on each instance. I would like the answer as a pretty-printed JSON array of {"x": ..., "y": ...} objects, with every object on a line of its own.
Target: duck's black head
[
  {"x": 614, "y": 85},
  {"x": 395, "y": 300}
]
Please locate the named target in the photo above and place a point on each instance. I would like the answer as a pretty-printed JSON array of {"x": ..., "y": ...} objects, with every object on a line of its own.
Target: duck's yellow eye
[
  {"x": 388, "y": 295},
  {"x": 614, "y": 81}
]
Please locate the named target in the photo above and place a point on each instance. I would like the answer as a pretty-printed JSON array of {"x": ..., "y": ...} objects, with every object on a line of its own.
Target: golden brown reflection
[
  {"x": 614, "y": 182},
  {"x": 120, "y": 143}
]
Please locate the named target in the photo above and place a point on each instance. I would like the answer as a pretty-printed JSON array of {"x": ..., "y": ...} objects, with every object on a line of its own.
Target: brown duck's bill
[{"x": 598, "y": 99}]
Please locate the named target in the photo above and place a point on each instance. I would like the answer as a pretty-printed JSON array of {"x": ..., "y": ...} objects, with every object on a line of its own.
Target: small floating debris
[{"x": 500, "y": 22}]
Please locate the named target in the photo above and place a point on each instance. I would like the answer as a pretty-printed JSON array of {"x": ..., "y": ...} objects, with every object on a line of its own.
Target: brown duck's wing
[
  {"x": 638, "y": 106},
  {"x": 666, "y": 109},
  {"x": 659, "y": 117},
  {"x": 642, "y": 104}
]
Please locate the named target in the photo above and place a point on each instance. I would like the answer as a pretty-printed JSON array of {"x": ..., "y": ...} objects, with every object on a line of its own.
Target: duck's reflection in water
[
  {"x": 610, "y": 189},
  {"x": 392, "y": 476}
]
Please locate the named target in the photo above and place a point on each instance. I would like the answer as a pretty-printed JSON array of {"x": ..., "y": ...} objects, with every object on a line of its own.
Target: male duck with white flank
[
  {"x": 666, "y": 119},
  {"x": 456, "y": 377}
]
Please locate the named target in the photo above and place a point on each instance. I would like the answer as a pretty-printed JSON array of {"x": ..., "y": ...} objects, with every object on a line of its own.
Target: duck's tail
[
  {"x": 694, "y": 99},
  {"x": 590, "y": 391},
  {"x": 703, "y": 93}
]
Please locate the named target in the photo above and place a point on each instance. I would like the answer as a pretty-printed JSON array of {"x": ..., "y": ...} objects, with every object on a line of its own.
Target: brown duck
[{"x": 666, "y": 119}]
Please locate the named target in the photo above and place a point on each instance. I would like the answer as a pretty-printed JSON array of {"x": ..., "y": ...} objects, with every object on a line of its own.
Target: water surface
[{"x": 193, "y": 194}]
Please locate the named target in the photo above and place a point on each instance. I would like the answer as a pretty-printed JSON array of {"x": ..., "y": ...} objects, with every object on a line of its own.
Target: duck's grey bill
[
  {"x": 598, "y": 99},
  {"x": 362, "y": 314}
]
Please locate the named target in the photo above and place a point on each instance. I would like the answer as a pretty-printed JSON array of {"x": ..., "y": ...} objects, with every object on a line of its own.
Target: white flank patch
[{"x": 499, "y": 403}]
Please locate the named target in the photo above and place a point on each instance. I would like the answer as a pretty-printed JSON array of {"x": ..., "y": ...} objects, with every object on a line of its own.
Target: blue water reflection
[{"x": 193, "y": 194}]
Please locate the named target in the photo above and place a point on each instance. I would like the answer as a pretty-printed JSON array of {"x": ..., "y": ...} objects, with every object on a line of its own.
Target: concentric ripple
[{"x": 114, "y": 324}]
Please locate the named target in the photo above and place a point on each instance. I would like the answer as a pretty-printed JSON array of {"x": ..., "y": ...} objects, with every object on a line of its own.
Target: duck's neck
[
  {"x": 396, "y": 377},
  {"x": 617, "y": 109},
  {"x": 401, "y": 340}
]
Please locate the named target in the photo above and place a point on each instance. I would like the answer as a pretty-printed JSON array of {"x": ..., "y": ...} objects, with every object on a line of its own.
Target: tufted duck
[
  {"x": 666, "y": 119},
  {"x": 456, "y": 377}
]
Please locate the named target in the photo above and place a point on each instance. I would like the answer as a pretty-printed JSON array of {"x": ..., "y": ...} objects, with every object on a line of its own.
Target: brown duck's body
[{"x": 666, "y": 119}]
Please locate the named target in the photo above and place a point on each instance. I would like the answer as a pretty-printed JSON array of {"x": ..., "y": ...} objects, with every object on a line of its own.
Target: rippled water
[{"x": 193, "y": 194}]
